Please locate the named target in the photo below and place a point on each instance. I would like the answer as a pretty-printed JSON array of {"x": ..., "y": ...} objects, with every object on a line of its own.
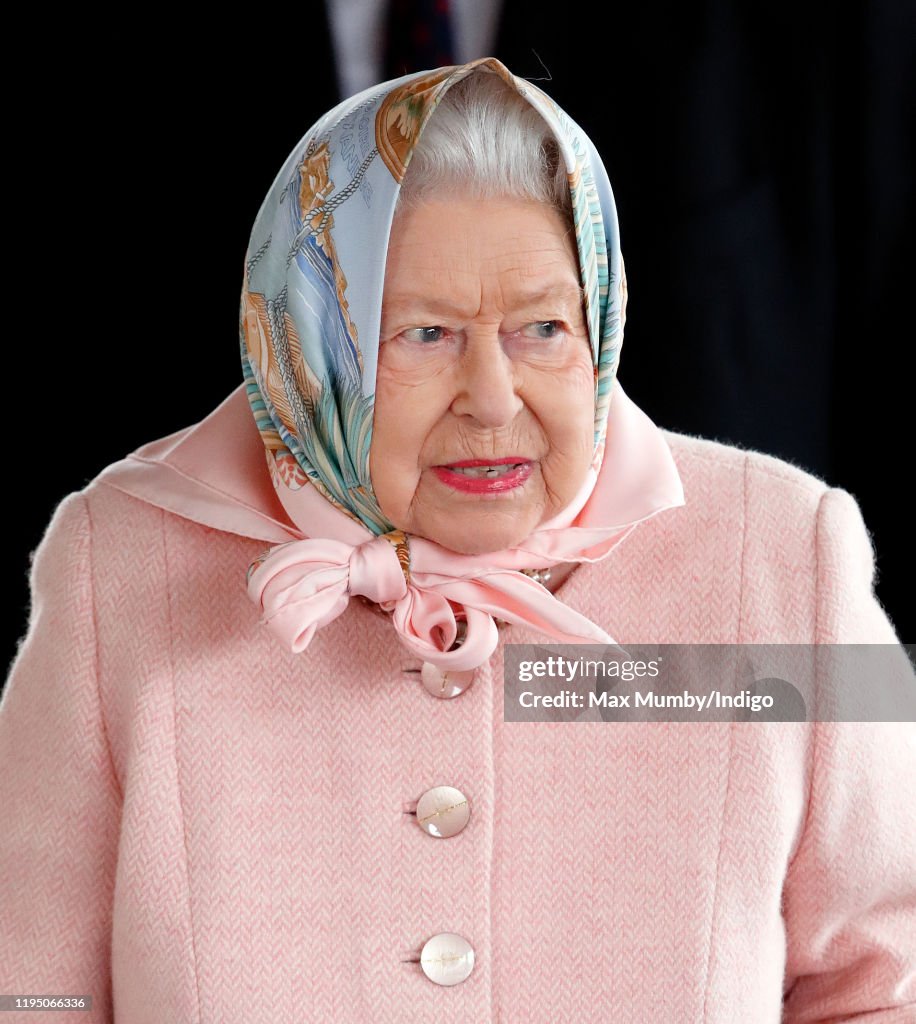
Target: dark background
[{"x": 762, "y": 162}]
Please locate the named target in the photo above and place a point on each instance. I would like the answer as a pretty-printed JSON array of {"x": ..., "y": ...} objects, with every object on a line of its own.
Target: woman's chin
[
  {"x": 471, "y": 527},
  {"x": 478, "y": 539}
]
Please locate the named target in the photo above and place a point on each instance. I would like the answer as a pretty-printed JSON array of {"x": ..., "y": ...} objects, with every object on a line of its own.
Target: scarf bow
[{"x": 303, "y": 585}]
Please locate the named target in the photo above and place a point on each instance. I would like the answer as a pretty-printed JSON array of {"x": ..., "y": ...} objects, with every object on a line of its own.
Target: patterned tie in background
[{"x": 418, "y": 36}]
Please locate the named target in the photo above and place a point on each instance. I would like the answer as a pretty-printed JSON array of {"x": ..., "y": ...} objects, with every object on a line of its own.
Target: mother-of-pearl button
[
  {"x": 443, "y": 811},
  {"x": 447, "y": 958},
  {"x": 444, "y": 684}
]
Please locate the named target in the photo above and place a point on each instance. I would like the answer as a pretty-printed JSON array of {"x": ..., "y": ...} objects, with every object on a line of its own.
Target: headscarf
[{"x": 309, "y": 323}]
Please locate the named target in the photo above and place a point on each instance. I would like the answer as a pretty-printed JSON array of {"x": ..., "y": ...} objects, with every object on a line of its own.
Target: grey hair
[{"x": 485, "y": 141}]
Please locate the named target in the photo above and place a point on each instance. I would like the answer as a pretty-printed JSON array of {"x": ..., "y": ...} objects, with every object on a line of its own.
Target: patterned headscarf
[{"x": 309, "y": 330}]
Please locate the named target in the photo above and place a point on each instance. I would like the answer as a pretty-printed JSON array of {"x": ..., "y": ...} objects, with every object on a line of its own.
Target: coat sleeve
[
  {"x": 849, "y": 899},
  {"x": 59, "y": 795}
]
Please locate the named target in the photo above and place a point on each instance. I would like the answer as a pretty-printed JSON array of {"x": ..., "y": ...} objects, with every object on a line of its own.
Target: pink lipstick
[{"x": 485, "y": 476}]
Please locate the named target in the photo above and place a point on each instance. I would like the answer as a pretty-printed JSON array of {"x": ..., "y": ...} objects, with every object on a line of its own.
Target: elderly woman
[{"x": 253, "y": 752}]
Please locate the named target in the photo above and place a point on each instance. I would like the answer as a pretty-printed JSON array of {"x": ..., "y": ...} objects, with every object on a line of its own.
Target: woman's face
[{"x": 484, "y": 407}]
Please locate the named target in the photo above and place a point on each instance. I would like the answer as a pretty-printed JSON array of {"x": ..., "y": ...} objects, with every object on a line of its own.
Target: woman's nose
[{"x": 487, "y": 382}]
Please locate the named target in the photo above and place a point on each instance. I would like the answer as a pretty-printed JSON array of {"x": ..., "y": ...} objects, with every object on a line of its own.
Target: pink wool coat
[{"x": 200, "y": 827}]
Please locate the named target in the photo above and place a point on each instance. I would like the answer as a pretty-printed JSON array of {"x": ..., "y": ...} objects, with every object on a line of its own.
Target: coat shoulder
[
  {"x": 738, "y": 560},
  {"x": 119, "y": 520},
  {"x": 705, "y": 463}
]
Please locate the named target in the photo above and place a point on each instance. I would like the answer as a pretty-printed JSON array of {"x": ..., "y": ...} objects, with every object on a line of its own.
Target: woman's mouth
[{"x": 481, "y": 476}]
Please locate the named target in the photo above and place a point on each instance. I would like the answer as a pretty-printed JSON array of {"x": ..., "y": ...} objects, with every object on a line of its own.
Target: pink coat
[{"x": 198, "y": 826}]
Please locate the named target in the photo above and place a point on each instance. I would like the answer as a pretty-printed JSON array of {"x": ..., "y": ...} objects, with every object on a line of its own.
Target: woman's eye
[
  {"x": 543, "y": 329},
  {"x": 424, "y": 334}
]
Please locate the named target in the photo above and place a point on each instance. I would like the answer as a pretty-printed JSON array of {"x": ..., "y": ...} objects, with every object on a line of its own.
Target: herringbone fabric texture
[{"x": 198, "y": 826}]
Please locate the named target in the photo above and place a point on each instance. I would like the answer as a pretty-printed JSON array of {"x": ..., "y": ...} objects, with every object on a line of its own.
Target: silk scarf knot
[{"x": 302, "y": 585}]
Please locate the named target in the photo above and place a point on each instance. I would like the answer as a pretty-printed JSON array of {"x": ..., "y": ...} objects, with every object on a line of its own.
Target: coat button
[
  {"x": 444, "y": 684},
  {"x": 443, "y": 811},
  {"x": 447, "y": 958}
]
